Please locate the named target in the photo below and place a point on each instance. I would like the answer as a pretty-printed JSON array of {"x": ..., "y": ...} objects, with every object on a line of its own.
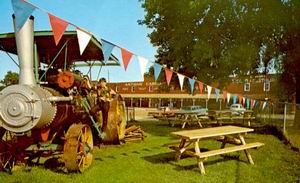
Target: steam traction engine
[{"x": 54, "y": 118}]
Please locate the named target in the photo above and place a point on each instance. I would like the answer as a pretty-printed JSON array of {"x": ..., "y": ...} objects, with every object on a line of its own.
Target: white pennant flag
[
  {"x": 83, "y": 39},
  {"x": 244, "y": 101},
  {"x": 208, "y": 91},
  {"x": 264, "y": 105},
  {"x": 228, "y": 97},
  {"x": 143, "y": 64},
  {"x": 181, "y": 80}
]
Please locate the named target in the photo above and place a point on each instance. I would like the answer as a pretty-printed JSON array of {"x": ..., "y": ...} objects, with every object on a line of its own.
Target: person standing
[{"x": 104, "y": 97}]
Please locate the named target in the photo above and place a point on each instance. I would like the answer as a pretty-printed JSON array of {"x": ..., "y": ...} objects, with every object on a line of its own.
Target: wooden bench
[
  {"x": 189, "y": 151},
  {"x": 229, "y": 150}
]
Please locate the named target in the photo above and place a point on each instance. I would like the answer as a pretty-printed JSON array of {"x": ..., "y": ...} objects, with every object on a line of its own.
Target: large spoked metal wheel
[
  {"x": 7, "y": 158},
  {"x": 78, "y": 148}
]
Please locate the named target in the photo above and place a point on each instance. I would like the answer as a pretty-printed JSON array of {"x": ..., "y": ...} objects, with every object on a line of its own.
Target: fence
[{"x": 285, "y": 117}]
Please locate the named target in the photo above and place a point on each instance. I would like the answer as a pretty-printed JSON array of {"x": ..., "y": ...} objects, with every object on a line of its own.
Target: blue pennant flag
[
  {"x": 107, "y": 48},
  {"x": 157, "y": 70},
  {"x": 235, "y": 98},
  {"x": 256, "y": 104},
  {"x": 192, "y": 84},
  {"x": 217, "y": 92},
  {"x": 22, "y": 11},
  {"x": 248, "y": 103}
]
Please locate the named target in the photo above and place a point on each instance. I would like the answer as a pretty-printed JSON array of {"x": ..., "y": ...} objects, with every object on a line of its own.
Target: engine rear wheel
[
  {"x": 7, "y": 158},
  {"x": 78, "y": 148},
  {"x": 116, "y": 124}
]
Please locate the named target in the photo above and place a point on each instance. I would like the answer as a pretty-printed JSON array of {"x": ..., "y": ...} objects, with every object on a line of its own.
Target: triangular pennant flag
[
  {"x": 228, "y": 97},
  {"x": 126, "y": 56},
  {"x": 181, "y": 80},
  {"x": 248, "y": 103},
  {"x": 22, "y": 11},
  {"x": 200, "y": 87},
  {"x": 58, "y": 27},
  {"x": 143, "y": 64},
  {"x": 217, "y": 92},
  {"x": 264, "y": 105},
  {"x": 83, "y": 39},
  {"x": 208, "y": 91},
  {"x": 224, "y": 93},
  {"x": 240, "y": 99},
  {"x": 244, "y": 101},
  {"x": 257, "y": 104},
  {"x": 235, "y": 98},
  {"x": 107, "y": 48},
  {"x": 168, "y": 74},
  {"x": 157, "y": 70},
  {"x": 252, "y": 103},
  {"x": 192, "y": 84}
]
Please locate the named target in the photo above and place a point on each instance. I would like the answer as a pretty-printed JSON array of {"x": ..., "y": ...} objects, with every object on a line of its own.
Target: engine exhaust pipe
[{"x": 24, "y": 41}]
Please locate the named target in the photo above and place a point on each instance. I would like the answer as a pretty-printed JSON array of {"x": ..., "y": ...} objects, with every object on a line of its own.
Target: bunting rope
[{"x": 23, "y": 10}]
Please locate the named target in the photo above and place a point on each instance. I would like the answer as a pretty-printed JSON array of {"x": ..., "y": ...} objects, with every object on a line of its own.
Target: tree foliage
[
  {"x": 213, "y": 39},
  {"x": 10, "y": 78}
]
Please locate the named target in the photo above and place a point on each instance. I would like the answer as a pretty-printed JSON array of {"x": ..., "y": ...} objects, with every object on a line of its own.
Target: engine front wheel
[{"x": 78, "y": 148}]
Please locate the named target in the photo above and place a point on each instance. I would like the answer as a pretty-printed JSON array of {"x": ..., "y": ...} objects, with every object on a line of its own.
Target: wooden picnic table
[
  {"x": 187, "y": 117},
  {"x": 193, "y": 137},
  {"x": 230, "y": 116}
]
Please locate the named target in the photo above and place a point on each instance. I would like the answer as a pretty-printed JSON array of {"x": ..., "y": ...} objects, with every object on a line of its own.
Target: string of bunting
[{"x": 24, "y": 9}]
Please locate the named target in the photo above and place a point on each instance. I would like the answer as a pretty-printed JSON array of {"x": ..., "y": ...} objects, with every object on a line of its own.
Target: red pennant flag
[
  {"x": 126, "y": 56},
  {"x": 224, "y": 95},
  {"x": 200, "y": 87},
  {"x": 58, "y": 27},
  {"x": 252, "y": 103},
  {"x": 169, "y": 74},
  {"x": 240, "y": 99}
]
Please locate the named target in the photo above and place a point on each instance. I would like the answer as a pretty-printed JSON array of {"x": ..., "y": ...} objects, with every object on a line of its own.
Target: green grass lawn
[{"x": 151, "y": 161}]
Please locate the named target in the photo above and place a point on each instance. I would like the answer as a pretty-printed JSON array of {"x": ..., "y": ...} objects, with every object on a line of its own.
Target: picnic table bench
[
  {"x": 193, "y": 137},
  {"x": 226, "y": 115}
]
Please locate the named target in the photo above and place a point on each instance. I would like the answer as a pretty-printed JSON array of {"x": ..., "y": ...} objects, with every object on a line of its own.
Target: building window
[
  {"x": 117, "y": 89},
  {"x": 150, "y": 88},
  {"x": 247, "y": 87},
  {"x": 267, "y": 85},
  {"x": 132, "y": 89}
]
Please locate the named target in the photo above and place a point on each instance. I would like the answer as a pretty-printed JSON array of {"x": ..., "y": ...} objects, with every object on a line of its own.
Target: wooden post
[
  {"x": 200, "y": 161},
  {"x": 181, "y": 150},
  {"x": 284, "y": 119},
  {"x": 159, "y": 102},
  {"x": 181, "y": 102},
  {"x": 246, "y": 151},
  {"x": 140, "y": 102},
  {"x": 131, "y": 102},
  {"x": 224, "y": 142},
  {"x": 149, "y": 103}
]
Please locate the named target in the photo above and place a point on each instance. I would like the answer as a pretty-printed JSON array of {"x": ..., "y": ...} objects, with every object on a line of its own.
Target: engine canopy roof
[{"x": 47, "y": 50}]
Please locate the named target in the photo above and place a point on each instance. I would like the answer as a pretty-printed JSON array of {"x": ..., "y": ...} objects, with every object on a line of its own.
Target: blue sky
[{"x": 112, "y": 20}]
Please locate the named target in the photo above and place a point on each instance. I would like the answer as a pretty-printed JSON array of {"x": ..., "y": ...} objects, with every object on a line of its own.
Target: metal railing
[{"x": 285, "y": 117}]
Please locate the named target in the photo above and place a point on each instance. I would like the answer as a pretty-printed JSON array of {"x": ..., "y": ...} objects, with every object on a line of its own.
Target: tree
[
  {"x": 212, "y": 39},
  {"x": 10, "y": 78}
]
